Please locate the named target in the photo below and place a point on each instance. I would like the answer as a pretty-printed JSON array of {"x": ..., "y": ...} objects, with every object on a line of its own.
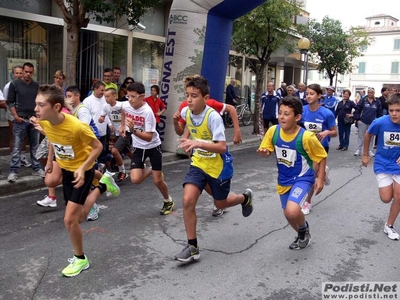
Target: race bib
[
  {"x": 63, "y": 152},
  {"x": 116, "y": 117},
  {"x": 313, "y": 127},
  {"x": 391, "y": 139},
  {"x": 205, "y": 153},
  {"x": 285, "y": 156}
]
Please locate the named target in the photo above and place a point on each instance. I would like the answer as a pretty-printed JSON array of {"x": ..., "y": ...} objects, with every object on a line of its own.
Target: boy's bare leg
[
  {"x": 139, "y": 175},
  {"x": 160, "y": 183},
  {"x": 72, "y": 218},
  {"x": 191, "y": 194}
]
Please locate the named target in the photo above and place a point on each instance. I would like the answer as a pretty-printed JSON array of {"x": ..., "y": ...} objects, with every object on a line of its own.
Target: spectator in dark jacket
[
  {"x": 385, "y": 96},
  {"x": 344, "y": 109},
  {"x": 231, "y": 97},
  {"x": 269, "y": 104},
  {"x": 367, "y": 110}
]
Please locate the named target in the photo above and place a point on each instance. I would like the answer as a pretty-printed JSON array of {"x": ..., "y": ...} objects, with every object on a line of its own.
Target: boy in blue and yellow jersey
[
  {"x": 296, "y": 149},
  {"x": 211, "y": 163},
  {"x": 387, "y": 160},
  {"x": 76, "y": 148}
]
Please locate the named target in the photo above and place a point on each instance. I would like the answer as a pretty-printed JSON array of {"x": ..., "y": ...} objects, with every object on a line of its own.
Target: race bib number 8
[
  {"x": 391, "y": 139},
  {"x": 285, "y": 156}
]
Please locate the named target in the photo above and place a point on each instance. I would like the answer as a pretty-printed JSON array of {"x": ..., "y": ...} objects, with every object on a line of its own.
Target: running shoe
[
  {"x": 25, "y": 162},
  {"x": 217, "y": 212},
  {"x": 12, "y": 177},
  {"x": 371, "y": 154},
  {"x": 306, "y": 208},
  {"x": 93, "y": 213},
  {"x": 295, "y": 244},
  {"x": 327, "y": 179},
  {"x": 167, "y": 207},
  {"x": 47, "y": 202},
  {"x": 391, "y": 232},
  {"x": 112, "y": 187},
  {"x": 75, "y": 267},
  {"x": 304, "y": 237},
  {"x": 189, "y": 253},
  {"x": 247, "y": 208}
]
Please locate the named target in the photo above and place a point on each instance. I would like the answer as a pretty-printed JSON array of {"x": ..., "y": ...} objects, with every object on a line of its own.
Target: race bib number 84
[{"x": 391, "y": 139}]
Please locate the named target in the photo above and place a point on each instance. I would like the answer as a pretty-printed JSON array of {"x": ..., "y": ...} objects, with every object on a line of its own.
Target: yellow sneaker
[{"x": 75, "y": 267}]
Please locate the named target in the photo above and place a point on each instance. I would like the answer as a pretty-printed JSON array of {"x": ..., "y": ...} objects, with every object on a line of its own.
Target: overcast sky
[{"x": 352, "y": 12}]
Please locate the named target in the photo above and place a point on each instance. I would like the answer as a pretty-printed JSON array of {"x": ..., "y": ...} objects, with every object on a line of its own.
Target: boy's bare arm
[
  {"x": 366, "y": 160},
  {"x": 319, "y": 182},
  {"x": 188, "y": 145}
]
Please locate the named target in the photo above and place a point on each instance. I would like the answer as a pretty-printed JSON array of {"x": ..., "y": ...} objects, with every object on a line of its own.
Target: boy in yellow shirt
[
  {"x": 75, "y": 148},
  {"x": 296, "y": 149}
]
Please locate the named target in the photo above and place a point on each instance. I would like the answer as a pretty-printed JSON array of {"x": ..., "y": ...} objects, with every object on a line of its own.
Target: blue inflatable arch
[{"x": 198, "y": 42}]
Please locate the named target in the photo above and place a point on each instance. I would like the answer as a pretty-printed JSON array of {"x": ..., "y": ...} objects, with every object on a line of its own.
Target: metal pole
[{"x": 306, "y": 63}]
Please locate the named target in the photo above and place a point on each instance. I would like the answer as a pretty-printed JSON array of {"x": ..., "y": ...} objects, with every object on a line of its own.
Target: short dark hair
[
  {"x": 346, "y": 90},
  {"x": 394, "y": 99},
  {"x": 52, "y": 93},
  {"x": 117, "y": 68},
  {"x": 384, "y": 89},
  {"x": 73, "y": 89},
  {"x": 28, "y": 64},
  {"x": 156, "y": 87},
  {"x": 107, "y": 70},
  {"x": 97, "y": 84},
  {"x": 315, "y": 87},
  {"x": 17, "y": 67},
  {"x": 112, "y": 90},
  {"x": 292, "y": 102},
  {"x": 136, "y": 87},
  {"x": 199, "y": 83}
]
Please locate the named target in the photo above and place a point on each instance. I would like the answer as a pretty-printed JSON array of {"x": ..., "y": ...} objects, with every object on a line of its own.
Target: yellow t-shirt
[
  {"x": 70, "y": 140},
  {"x": 312, "y": 146}
]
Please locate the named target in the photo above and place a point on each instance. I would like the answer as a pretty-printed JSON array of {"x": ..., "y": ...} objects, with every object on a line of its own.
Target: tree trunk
[
  {"x": 257, "y": 125},
  {"x": 72, "y": 52}
]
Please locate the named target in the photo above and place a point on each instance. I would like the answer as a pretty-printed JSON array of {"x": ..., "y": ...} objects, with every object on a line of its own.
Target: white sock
[
  {"x": 168, "y": 200},
  {"x": 121, "y": 168}
]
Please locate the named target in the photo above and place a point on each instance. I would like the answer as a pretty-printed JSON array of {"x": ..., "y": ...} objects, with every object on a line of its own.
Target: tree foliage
[
  {"x": 333, "y": 48},
  {"x": 77, "y": 14},
  {"x": 258, "y": 34}
]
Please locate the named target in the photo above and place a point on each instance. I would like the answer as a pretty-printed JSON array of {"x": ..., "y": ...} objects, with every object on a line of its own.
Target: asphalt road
[{"x": 131, "y": 246}]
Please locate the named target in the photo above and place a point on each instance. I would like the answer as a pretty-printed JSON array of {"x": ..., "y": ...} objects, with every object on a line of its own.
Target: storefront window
[
  {"x": 147, "y": 62},
  {"x": 25, "y": 41},
  {"x": 98, "y": 51}
]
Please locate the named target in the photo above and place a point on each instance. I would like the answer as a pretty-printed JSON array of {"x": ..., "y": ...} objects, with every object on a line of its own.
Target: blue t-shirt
[
  {"x": 388, "y": 146},
  {"x": 317, "y": 121}
]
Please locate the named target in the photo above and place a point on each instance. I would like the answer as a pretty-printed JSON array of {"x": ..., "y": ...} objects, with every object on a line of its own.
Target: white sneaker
[
  {"x": 47, "y": 202},
  {"x": 306, "y": 208},
  {"x": 25, "y": 162},
  {"x": 371, "y": 154},
  {"x": 327, "y": 179},
  {"x": 93, "y": 213},
  {"x": 391, "y": 232},
  {"x": 357, "y": 153},
  {"x": 39, "y": 173},
  {"x": 12, "y": 177}
]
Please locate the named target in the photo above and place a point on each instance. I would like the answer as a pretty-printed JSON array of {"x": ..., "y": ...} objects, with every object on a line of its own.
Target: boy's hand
[
  {"x": 366, "y": 160},
  {"x": 49, "y": 167},
  {"x": 176, "y": 117},
  {"x": 187, "y": 145},
  {"x": 321, "y": 135},
  {"x": 398, "y": 161},
  {"x": 122, "y": 131},
  {"x": 318, "y": 185},
  {"x": 263, "y": 152},
  {"x": 102, "y": 119},
  {"x": 79, "y": 176}
]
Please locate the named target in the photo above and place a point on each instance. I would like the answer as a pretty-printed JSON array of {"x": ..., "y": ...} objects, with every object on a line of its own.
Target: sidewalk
[{"x": 26, "y": 181}]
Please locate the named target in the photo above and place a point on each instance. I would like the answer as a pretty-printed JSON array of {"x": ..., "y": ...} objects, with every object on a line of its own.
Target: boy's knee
[{"x": 188, "y": 203}]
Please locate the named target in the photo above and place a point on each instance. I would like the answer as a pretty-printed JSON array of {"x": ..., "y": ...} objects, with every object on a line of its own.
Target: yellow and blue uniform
[
  {"x": 294, "y": 155},
  {"x": 218, "y": 166}
]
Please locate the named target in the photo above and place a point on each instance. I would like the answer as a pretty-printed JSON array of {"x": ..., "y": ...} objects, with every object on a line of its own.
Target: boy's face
[
  {"x": 72, "y": 99},
  {"x": 286, "y": 117},
  {"x": 394, "y": 113},
  {"x": 135, "y": 99},
  {"x": 43, "y": 108},
  {"x": 110, "y": 98},
  {"x": 196, "y": 102}
]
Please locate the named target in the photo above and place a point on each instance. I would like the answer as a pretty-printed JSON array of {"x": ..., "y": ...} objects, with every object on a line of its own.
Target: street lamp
[{"x": 304, "y": 45}]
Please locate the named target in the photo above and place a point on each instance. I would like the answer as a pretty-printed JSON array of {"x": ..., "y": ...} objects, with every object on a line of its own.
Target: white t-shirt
[
  {"x": 114, "y": 113},
  {"x": 10, "y": 117},
  {"x": 95, "y": 106},
  {"x": 144, "y": 121}
]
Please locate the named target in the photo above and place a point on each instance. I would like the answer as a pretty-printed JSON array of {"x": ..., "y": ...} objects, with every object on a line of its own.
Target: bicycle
[{"x": 244, "y": 114}]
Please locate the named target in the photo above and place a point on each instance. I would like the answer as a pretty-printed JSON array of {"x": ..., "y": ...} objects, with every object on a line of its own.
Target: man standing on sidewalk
[{"x": 21, "y": 102}]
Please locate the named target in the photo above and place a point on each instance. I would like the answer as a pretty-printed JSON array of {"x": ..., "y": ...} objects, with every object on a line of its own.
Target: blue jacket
[
  {"x": 269, "y": 104},
  {"x": 366, "y": 112}
]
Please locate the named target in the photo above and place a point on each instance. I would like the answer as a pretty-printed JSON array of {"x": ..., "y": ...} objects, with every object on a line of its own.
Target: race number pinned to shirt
[
  {"x": 285, "y": 156},
  {"x": 391, "y": 139},
  {"x": 313, "y": 126},
  {"x": 63, "y": 152}
]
